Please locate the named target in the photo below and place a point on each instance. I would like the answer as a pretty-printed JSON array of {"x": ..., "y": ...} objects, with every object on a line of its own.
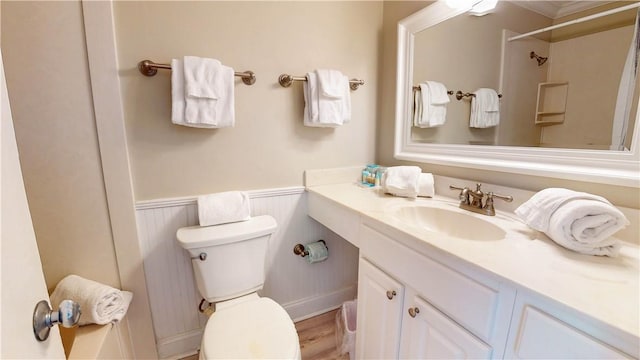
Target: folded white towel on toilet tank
[
  {"x": 99, "y": 304},
  {"x": 224, "y": 207},
  {"x": 578, "y": 221}
]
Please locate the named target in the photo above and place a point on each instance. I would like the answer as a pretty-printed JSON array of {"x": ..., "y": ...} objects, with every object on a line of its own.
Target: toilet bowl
[
  {"x": 228, "y": 262},
  {"x": 256, "y": 329}
]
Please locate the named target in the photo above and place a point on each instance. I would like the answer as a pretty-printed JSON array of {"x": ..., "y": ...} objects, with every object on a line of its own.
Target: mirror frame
[{"x": 599, "y": 166}]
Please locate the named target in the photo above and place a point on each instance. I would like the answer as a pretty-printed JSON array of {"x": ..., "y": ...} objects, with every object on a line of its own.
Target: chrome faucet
[{"x": 472, "y": 200}]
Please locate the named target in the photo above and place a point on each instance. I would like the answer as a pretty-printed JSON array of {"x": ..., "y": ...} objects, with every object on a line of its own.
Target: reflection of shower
[{"x": 541, "y": 59}]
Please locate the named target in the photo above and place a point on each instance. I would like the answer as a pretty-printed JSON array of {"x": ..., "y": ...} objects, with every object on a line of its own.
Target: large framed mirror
[{"x": 568, "y": 106}]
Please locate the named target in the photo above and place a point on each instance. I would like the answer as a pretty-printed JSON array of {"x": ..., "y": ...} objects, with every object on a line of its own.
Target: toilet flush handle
[{"x": 202, "y": 257}]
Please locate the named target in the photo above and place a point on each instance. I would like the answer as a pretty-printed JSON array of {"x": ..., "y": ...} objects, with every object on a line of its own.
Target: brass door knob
[
  {"x": 391, "y": 294},
  {"x": 414, "y": 311}
]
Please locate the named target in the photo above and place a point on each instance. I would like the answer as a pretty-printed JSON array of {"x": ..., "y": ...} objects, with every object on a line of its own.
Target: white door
[
  {"x": 23, "y": 284},
  {"x": 429, "y": 334},
  {"x": 379, "y": 313}
]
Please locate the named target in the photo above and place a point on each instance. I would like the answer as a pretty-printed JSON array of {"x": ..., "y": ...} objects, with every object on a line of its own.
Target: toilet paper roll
[{"x": 317, "y": 252}]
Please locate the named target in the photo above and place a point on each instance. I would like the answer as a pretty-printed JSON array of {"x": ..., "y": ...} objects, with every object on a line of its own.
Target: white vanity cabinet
[
  {"x": 411, "y": 306},
  {"x": 391, "y": 327},
  {"x": 520, "y": 297},
  {"x": 565, "y": 333}
]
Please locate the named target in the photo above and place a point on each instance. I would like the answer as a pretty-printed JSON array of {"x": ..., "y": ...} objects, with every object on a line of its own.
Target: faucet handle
[
  {"x": 451, "y": 187},
  {"x": 464, "y": 193},
  {"x": 488, "y": 206},
  {"x": 507, "y": 198}
]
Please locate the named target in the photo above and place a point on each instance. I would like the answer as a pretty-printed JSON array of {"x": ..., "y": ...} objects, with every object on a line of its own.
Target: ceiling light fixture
[
  {"x": 483, "y": 7},
  {"x": 475, "y": 7}
]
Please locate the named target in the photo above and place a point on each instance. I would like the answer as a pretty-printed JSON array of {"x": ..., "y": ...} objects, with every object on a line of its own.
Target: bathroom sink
[{"x": 450, "y": 222}]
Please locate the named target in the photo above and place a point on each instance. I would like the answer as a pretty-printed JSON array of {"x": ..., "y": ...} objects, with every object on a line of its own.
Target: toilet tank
[{"x": 229, "y": 259}]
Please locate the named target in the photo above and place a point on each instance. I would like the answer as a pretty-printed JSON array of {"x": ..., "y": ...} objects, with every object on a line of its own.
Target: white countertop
[{"x": 604, "y": 288}]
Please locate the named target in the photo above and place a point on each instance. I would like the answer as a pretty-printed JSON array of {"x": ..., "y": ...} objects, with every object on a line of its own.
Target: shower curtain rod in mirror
[{"x": 576, "y": 21}]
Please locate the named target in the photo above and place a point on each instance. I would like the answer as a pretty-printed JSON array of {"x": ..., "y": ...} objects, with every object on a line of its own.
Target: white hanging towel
[
  {"x": 485, "y": 109},
  {"x": 99, "y": 303},
  {"x": 327, "y": 99},
  {"x": 223, "y": 207},
  {"x": 202, "y": 93},
  {"x": 417, "y": 107},
  {"x": 310, "y": 90},
  {"x": 432, "y": 103}
]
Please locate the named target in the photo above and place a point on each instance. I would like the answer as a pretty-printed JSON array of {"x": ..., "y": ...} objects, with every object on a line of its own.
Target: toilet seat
[{"x": 256, "y": 329}]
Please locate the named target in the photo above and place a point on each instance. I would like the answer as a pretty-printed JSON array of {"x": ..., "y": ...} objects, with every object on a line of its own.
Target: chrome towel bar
[
  {"x": 286, "y": 80},
  {"x": 460, "y": 95},
  {"x": 149, "y": 68},
  {"x": 416, "y": 88}
]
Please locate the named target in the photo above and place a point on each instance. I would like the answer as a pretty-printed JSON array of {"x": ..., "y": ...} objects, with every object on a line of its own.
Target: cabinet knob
[
  {"x": 414, "y": 311},
  {"x": 391, "y": 294}
]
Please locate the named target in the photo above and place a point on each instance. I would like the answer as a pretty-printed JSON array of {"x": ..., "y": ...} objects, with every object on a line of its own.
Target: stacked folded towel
[
  {"x": 485, "y": 109},
  {"x": 327, "y": 99},
  {"x": 202, "y": 93},
  {"x": 407, "y": 181},
  {"x": 99, "y": 304},
  {"x": 576, "y": 220},
  {"x": 430, "y": 105},
  {"x": 224, "y": 207}
]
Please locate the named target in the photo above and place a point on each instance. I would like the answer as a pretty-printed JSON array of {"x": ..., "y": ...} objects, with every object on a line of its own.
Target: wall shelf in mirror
[{"x": 551, "y": 103}]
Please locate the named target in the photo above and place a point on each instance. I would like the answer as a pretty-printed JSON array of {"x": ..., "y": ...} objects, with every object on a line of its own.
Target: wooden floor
[{"x": 317, "y": 338}]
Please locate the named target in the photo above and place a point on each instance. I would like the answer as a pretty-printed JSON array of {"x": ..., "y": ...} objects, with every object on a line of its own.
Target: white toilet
[{"x": 229, "y": 262}]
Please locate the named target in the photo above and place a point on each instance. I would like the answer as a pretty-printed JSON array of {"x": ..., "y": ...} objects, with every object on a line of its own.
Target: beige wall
[
  {"x": 520, "y": 86},
  {"x": 269, "y": 146},
  {"x": 397, "y": 10},
  {"x": 464, "y": 53},
  {"x": 47, "y": 77},
  {"x": 594, "y": 77}
]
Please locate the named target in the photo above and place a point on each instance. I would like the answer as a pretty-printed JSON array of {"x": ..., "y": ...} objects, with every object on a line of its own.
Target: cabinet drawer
[
  {"x": 468, "y": 302},
  {"x": 542, "y": 336}
]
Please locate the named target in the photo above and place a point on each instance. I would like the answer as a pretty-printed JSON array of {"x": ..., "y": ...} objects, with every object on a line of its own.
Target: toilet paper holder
[{"x": 300, "y": 250}]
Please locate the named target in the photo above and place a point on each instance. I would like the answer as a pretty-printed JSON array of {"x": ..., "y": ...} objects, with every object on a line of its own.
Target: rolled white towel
[
  {"x": 578, "y": 221},
  {"x": 99, "y": 304},
  {"x": 223, "y": 207},
  {"x": 426, "y": 185},
  {"x": 402, "y": 181}
]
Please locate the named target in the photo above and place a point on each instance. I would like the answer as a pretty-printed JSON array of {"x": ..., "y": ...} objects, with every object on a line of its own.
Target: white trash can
[{"x": 346, "y": 328}]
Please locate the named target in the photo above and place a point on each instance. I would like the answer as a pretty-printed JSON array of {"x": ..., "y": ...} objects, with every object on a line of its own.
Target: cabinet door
[
  {"x": 380, "y": 300},
  {"x": 429, "y": 334},
  {"x": 561, "y": 340}
]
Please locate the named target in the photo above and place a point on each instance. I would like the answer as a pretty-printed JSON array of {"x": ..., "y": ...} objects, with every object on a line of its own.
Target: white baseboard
[
  {"x": 185, "y": 343},
  {"x": 309, "y": 307}
]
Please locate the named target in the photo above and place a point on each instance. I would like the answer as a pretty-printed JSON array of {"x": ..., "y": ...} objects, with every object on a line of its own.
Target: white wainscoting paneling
[{"x": 302, "y": 289}]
